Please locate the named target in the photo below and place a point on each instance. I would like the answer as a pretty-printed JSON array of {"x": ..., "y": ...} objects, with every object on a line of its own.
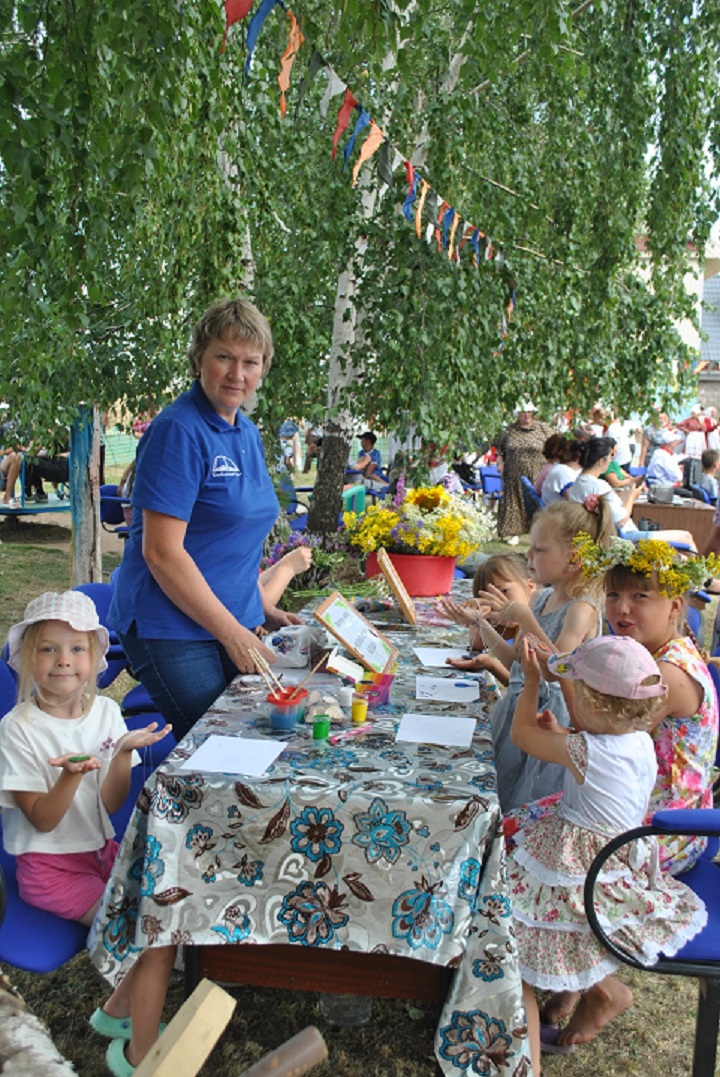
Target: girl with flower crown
[
  {"x": 645, "y": 585},
  {"x": 563, "y": 614}
]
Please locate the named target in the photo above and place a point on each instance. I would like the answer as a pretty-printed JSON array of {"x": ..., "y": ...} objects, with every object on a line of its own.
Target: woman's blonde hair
[
  {"x": 28, "y": 651},
  {"x": 509, "y": 567},
  {"x": 231, "y": 319},
  {"x": 621, "y": 715},
  {"x": 566, "y": 519}
]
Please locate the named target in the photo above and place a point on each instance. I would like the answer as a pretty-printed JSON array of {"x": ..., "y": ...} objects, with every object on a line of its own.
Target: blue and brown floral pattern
[
  {"x": 173, "y": 797},
  {"x": 469, "y": 882},
  {"x": 148, "y": 867},
  {"x": 250, "y": 871},
  {"x": 316, "y": 833},
  {"x": 381, "y": 832},
  {"x": 313, "y": 913},
  {"x": 489, "y": 966},
  {"x": 236, "y": 926},
  {"x": 420, "y": 917},
  {"x": 120, "y": 928},
  {"x": 197, "y": 839},
  {"x": 476, "y": 1042}
]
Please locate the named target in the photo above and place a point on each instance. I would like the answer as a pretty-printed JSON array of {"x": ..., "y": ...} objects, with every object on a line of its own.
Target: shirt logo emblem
[{"x": 223, "y": 465}]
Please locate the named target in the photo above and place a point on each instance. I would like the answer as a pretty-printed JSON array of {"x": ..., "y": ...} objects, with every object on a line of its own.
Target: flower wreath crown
[{"x": 676, "y": 573}]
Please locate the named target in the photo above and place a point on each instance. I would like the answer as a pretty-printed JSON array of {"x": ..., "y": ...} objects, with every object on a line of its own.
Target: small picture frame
[
  {"x": 406, "y": 604},
  {"x": 357, "y": 634}
]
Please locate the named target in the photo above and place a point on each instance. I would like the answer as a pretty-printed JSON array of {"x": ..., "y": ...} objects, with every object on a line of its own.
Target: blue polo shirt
[{"x": 194, "y": 466}]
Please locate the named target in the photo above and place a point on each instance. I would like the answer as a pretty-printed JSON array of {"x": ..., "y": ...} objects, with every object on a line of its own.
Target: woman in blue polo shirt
[{"x": 187, "y": 600}]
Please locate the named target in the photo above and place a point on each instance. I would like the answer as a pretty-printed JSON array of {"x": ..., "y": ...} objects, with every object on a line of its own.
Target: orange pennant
[
  {"x": 368, "y": 148},
  {"x": 451, "y": 242},
  {"x": 294, "y": 43},
  {"x": 424, "y": 188}
]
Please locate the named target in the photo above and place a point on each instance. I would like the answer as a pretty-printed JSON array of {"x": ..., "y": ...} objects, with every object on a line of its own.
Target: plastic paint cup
[
  {"x": 284, "y": 712},
  {"x": 345, "y": 697},
  {"x": 358, "y": 712},
  {"x": 321, "y": 727}
]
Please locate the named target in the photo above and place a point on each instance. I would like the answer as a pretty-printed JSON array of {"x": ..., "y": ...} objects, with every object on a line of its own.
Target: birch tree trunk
[{"x": 85, "y": 498}]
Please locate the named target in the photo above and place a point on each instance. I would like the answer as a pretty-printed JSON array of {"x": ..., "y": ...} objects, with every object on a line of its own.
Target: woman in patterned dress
[
  {"x": 610, "y": 770},
  {"x": 520, "y": 450}
]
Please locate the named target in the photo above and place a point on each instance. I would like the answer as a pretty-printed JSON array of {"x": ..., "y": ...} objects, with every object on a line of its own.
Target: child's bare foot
[
  {"x": 599, "y": 1005},
  {"x": 560, "y": 1005}
]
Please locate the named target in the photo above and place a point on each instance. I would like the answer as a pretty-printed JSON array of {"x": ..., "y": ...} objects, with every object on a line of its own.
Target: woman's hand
[
  {"x": 281, "y": 618},
  {"x": 299, "y": 559},
  {"x": 476, "y": 662},
  {"x": 238, "y": 648},
  {"x": 76, "y": 764}
]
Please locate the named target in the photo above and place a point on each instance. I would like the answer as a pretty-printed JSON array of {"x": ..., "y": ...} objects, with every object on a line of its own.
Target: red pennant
[
  {"x": 344, "y": 114},
  {"x": 235, "y": 10}
]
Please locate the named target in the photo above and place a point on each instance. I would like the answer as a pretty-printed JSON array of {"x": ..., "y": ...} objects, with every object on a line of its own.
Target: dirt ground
[{"x": 53, "y": 530}]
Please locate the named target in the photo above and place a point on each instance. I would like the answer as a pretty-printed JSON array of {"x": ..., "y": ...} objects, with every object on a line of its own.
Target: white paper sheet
[
  {"x": 446, "y": 689},
  {"x": 445, "y": 730},
  {"x": 435, "y": 656},
  {"x": 234, "y": 755}
]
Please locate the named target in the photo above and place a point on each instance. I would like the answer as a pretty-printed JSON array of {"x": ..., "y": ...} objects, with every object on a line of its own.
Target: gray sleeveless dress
[{"x": 520, "y": 777}]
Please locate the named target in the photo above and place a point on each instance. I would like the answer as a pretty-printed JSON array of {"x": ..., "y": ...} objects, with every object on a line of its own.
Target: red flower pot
[{"x": 423, "y": 574}]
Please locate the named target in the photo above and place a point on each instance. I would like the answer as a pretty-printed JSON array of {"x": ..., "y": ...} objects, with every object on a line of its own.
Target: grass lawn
[{"x": 653, "y": 1039}]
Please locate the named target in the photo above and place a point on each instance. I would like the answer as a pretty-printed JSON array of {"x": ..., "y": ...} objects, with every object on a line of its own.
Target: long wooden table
[
  {"x": 366, "y": 867},
  {"x": 693, "y": 516}
]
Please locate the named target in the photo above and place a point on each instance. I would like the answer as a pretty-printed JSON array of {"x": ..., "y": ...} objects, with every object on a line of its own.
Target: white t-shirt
[
  {"x": 619, "y": 432},
  {"x": 28, "y": 738},
  {"x": 664, "y": 468},
  {"x": 557, "y": 479},
  {"x": 590, "y": 484}
]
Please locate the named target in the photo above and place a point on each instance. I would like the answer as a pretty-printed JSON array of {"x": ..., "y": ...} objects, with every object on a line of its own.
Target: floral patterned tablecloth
[{"x": 370, "y": 844}]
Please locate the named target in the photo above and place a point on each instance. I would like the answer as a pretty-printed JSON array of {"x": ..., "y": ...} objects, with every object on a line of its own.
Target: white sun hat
[{"x": 73, "y": 607}]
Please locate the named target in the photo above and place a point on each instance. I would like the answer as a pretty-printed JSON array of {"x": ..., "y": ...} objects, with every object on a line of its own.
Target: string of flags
[{"x": 451, "y": 231}]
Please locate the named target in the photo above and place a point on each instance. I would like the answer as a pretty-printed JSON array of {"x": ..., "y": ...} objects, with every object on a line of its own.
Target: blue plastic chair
[
  {"x": 533, "y": 502},
  {"x": 112, "y": 515},
  {"x": 101, "y": 596},
  {"x": 700, "y": 957}
]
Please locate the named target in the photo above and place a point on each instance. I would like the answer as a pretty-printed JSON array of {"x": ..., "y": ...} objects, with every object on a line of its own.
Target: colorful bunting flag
[
  {"x": 256, "y": 24},
  {"x": 288, "y": 59},
  {"x": 424, "y": 188},
  {"x": 452, "y": 255},
  {"x": 361, "y": 122},
  {"x": 343, "y": 119},
  {"x": 385, "y": 163},
  {"x": 315, "y": 64},
  {"x": 235, "y": 10},
  {"x": 334, "y": 87},
  {"x": 412, "y": 178},
  {"x": 440, "y": 225},
  {"x": 368, "y": 148}
]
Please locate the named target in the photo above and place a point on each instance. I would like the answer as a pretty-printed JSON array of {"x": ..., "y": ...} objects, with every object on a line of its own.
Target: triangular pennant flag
[
  {"x": 413, "y": 178},
  {"x": 344, "y": 114},
  {"x": 294, "y": 42},
  {"x": 447, "y": 221},
  {"x": 474, "y": 243},
  {"x": 334, "y": 87},
  {"x": 439, "y": 224},
  {"x": 385, "y": 163},
  {"x": 362, "y": 121},
  {"x": 367, "y": 149},
  {"x": 431, "y": 206},
  {"x": 315, "y": 63},
  {"x": 424, "y": 188},
  {"x": 235, "y": 10},
  {"x": 256, "y": 24},
  {"x": 452, "y": 255}
]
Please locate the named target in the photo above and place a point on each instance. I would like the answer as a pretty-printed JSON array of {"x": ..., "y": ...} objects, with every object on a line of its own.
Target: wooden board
[
  {"x": 406, "y": 604},
  {"x": 356, "y": 633}
]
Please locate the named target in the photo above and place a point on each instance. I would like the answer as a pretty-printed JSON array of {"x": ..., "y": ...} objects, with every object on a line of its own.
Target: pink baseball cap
[
  {"x": 616, "y": 665},
  {"x": 73, "y": 607}
]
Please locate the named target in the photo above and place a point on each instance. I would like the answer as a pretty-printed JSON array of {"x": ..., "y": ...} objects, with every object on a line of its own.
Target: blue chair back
[
  {"x": 101, "y": 595},
  {"x": 491, "y": 481},
  {"x": 8, "y": 688},
  {"x": 533, "y": 502}
]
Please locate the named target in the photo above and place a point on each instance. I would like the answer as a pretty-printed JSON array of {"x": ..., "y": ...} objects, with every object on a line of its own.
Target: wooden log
[
  {"x": 26, "y": 1049},
  {"x": 191, "y": 1035}
]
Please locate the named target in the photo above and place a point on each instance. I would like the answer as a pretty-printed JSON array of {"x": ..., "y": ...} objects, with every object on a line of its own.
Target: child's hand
[
  {"x": 141, "y": 738},
  {"x": 299, "y": 559},
  {"x": 76, "y": 764},
  {"x": 547, "y": 720},
  {"x": 541, "y": 649},
  {"x": 460, "y": 614},
  {"x": 529, "y": 662},
  {"x": 495, "y": 605},
  {"x": 477, "y": 662}
]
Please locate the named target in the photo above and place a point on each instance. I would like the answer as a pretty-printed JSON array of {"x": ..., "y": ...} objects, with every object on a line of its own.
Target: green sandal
[
  {"x": 117, "y": 1061},
  {"x": 113, "y": 1027}
]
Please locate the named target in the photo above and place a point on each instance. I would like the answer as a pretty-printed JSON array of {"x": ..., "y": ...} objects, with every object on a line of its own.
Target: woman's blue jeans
[{"x": 183, "y": 677}]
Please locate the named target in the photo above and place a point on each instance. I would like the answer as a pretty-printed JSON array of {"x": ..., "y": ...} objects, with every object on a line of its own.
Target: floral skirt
[{"x": 643, "y": 910}]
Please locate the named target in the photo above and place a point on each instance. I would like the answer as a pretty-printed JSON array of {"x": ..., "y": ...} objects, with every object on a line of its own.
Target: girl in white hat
[{"x": 65, "y": 761}]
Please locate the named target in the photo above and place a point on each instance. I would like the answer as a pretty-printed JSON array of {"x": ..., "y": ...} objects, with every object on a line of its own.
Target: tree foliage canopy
[{"x": 135, "y": 159}]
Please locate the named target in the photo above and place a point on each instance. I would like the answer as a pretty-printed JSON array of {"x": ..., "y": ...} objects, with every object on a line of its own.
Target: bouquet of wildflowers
[{"x": 423, "y": 520}]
